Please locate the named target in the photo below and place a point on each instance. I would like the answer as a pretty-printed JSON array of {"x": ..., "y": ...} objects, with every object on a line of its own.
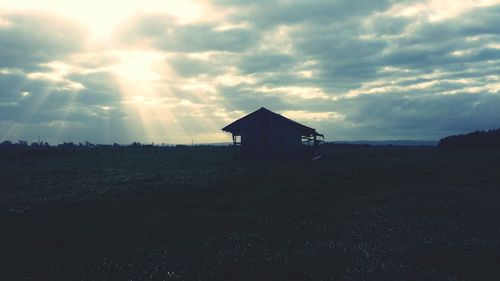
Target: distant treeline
[
  {"x": 476, "y": 140},
  {"x": 23, "y": 143},
  {"x": 24, "y": 149}
]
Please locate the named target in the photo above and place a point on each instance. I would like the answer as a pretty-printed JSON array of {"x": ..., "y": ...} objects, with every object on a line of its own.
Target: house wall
[{"x": 271, "y": 143}]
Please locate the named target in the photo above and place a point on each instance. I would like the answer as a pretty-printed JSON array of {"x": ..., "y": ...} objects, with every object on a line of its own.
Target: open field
[{"x": 193, "y": 213}]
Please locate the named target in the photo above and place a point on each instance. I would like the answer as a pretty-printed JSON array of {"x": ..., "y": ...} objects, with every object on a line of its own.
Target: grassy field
[{"x": 193, "y": 213}]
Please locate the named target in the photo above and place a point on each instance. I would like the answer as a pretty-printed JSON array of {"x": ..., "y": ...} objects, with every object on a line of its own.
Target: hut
[{"x": 265, "y": 134}]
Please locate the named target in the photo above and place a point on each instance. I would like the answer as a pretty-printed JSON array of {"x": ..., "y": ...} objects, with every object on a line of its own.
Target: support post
[{"x": 315, "y": 145}]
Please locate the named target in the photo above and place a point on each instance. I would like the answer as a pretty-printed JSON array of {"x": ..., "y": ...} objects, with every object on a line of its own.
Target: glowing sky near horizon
[{"x": 176, "y": 71}]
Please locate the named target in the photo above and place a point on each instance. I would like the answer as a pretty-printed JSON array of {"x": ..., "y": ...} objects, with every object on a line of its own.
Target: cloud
[
  {"x": 30, "y": 38},
  {"x": 265, "y": 62},
  {"x": 185, "y": 65},
  {"x": 237, "y": 98},
  {"x": 164, "y": 33},
  {"x": 429, "y": 116},
  {"x": 272, "y": 13},
  {"x": 61, "y": 101}
]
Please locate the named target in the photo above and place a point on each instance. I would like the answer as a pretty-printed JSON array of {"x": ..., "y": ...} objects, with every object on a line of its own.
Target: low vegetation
[{"x": 199, "y": 213}]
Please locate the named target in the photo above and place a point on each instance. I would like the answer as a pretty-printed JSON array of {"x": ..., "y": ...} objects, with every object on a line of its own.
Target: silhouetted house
[{"x": 265, "y": 134}]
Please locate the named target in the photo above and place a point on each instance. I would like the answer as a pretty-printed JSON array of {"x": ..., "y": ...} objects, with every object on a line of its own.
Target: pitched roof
[{"x": 264, "y": 118}]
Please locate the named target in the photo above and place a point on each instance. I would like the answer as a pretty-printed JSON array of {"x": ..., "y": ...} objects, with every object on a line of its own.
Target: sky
[{"x": 178, "y": 71}]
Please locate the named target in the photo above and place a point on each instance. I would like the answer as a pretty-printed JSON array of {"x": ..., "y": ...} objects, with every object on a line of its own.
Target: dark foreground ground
[{"x": 360, "y": 213}]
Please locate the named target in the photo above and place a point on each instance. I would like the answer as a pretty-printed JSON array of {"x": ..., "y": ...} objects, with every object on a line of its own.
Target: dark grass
[{"x": 360, "y": 213}]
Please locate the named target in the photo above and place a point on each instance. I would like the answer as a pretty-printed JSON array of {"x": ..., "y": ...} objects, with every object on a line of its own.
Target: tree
[
  {"x": 475, "y": 140},
  {"x": 6, "y": 143},
  {"x": 136, "y": 144},
  {"x": 22, "y": 143}
]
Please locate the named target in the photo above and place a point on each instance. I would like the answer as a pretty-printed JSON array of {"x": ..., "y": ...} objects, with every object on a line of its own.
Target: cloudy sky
[{"x": 171, "y": 71}]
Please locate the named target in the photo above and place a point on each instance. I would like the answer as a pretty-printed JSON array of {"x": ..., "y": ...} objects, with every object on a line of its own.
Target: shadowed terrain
[{"x": 197, "y": 213}]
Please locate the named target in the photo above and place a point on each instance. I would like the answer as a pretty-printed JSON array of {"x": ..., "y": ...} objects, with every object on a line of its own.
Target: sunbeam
[{"x": 140, "y": 76}]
